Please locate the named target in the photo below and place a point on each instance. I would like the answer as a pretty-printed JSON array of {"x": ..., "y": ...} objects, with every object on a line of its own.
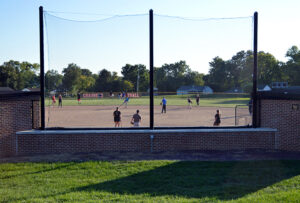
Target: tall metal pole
[
  {"x": 137, "y": 80},
  {"x": 254, "y": 91},
  {"x": 151, "y": 70},
  {"x": 42, "y": 69}
]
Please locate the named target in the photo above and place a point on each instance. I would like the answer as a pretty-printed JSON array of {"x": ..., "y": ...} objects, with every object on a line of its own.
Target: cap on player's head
[
  {"x": 137, "y": 111},
  {"x": 117, "y": 108}
]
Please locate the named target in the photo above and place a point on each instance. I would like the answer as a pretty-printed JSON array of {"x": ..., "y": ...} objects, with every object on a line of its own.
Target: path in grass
[{"x": 151, "y": 181}]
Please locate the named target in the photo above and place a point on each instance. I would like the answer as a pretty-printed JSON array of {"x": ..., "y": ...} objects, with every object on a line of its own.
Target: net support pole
[
  {"x": 254, "y": 91},
  {"x": 42, "y": 68},
  {"x": 151, "y": 69}
]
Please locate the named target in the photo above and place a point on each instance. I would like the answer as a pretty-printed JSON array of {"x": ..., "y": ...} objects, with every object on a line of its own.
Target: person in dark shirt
[
  {"x": 250, "y": 104},
  {"x": 60, "y": 101},
  {"x": 117, "y": 117},
  {"x": 189, "y": 103},
  {"x": 136, "y": 119},
  {"x": 197, "y": 99},
  {"x": 217, "y": 118},
  {"x": 78, "y": 98}
]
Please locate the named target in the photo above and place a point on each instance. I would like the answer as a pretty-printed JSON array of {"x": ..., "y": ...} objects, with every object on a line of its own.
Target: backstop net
[
  {"x": 94, "y": 63},
  {"x": 97, "y": 63},
  {"x": 201, "y": 66}
]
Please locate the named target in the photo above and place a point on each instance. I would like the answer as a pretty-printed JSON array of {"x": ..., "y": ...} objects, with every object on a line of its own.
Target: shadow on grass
[
  {"x": 221, "y": 180},
  {"x": 48, "y": 169}
]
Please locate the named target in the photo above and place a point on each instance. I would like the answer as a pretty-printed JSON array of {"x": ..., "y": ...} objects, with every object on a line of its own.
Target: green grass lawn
[
  {"x": 151, "y": 181},
  {"x": 219, "y": 101}
]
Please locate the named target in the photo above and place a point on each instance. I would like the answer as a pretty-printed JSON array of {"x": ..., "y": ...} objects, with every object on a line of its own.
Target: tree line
[{"x": 223, "y": 75}]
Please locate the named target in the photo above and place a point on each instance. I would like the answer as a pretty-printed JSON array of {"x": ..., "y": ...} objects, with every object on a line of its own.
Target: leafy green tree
[
  {"x": 103, "y": 82},
  {"x": 86, "y": 72},
  {"x": 86, "y": 83},
  {"x": 217, "y": 76},
  {"x": 71, "y": 78},
  {"x": 292, "y": 67},
  {"x": 53, "y": 80},
  {"x": 170, "y": 77},
  {"x": 131, "y": 73},
  {"x": 9, "y": 74},
  {"x": 19, "y": 75}
]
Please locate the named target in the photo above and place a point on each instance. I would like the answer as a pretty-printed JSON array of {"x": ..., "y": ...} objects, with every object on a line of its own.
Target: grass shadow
[
  {"x": 48, "y": 169},
  {"x": 220, "y": 180}
]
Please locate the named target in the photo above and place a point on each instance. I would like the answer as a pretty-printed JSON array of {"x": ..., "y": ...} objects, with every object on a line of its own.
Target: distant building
[
  {"x": 31, "y": 89},
  {"x": 263, "y": 88},
  {"x": 6, "y": 89},
  {"x": 279, "y": 85},
  {"x": 191, "y": 89}
]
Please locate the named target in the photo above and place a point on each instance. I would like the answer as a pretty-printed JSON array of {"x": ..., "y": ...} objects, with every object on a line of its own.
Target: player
[
  {"x": 189, "y": 103},
  {"x": 197, "y": 99},
  {"x": 250, "y": 106},
  {"x": 164, "y": 105},
  {"x": 60, "y": 101},
  {"x": 217, "y": 118},
  {"x": 125, "y": 102},
  {"x": 53, "y": 100},
  {"x": 136, "y": 119},
  {"x": 78, "y": 98},
  {"x": 117, "y": 117}
]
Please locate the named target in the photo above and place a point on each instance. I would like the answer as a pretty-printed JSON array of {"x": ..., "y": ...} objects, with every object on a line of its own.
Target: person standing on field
[
  {"x": 197, "y": 99},
  {"x": 60, "y": 101},
  {"x": 78, "y": 98},
  {"x": 217, "y": 118},
  {"x": 189, "y": 102},
  {"x": 117, "y": 117},
  {"x": 53, "y": 100},
  {"x": 136, "y": 119},
  {"x": 164, "y": 105}
]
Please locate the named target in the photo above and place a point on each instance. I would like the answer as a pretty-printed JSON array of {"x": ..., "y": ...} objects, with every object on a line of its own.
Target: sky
[{"x": 113, "y": 43}]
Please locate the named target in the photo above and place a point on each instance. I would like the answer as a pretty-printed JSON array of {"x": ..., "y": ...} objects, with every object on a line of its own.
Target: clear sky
[{"x": 125, "y": 40}]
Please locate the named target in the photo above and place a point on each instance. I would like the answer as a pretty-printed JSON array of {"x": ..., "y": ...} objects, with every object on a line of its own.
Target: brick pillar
[{"x": 16, "y": 114}]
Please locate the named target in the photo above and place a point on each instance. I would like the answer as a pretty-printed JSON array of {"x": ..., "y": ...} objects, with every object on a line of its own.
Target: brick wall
[
  {"x": 276, "y": 113},
  {"x": 38, "y": 142},
  {"x": 16, "y": 115}
]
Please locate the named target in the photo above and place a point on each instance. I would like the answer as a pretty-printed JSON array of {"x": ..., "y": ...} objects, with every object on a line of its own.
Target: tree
[
  {"x": 292, "y": 67},
  {"x": 86, "y": 83},
  {"x": 131, "y": 73},
  {"x": 170, "y": 77},
  {"x": 9, "y": 74},
  {"x": 103, "y": 82},
  {"x": 53, "y": 80},
  {"x": 217, "y": 76},
  {"x": 19, "y": 75},
  {"x": 71, "y": 77}
]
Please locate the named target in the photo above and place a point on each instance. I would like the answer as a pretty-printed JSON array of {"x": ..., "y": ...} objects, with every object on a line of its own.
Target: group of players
[
  {"x": 217, "y": 120},
  {"x": 136, "y": 118}
]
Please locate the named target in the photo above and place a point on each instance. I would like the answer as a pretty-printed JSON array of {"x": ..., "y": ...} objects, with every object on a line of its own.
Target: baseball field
[{"x": 99, "y": 112}]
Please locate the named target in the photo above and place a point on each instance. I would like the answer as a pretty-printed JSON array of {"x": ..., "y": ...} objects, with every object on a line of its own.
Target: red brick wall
[
  {"x": 50, "y": 142},
  {"x": 15, "y": 115},
  {"x": 280, "y": 115}
]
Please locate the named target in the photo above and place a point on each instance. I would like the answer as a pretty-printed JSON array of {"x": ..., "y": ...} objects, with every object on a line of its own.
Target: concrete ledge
[{"x": 143, "y": 131}]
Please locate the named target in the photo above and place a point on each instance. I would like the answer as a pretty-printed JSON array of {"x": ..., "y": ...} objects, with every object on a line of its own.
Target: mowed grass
[
  {"x": 151, "y": 181},
  {"x": 221, "y": 101}
]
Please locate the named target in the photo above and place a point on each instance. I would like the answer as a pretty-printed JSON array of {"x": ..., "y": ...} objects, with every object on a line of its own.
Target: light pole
[{"x": 137, "y": 82}]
